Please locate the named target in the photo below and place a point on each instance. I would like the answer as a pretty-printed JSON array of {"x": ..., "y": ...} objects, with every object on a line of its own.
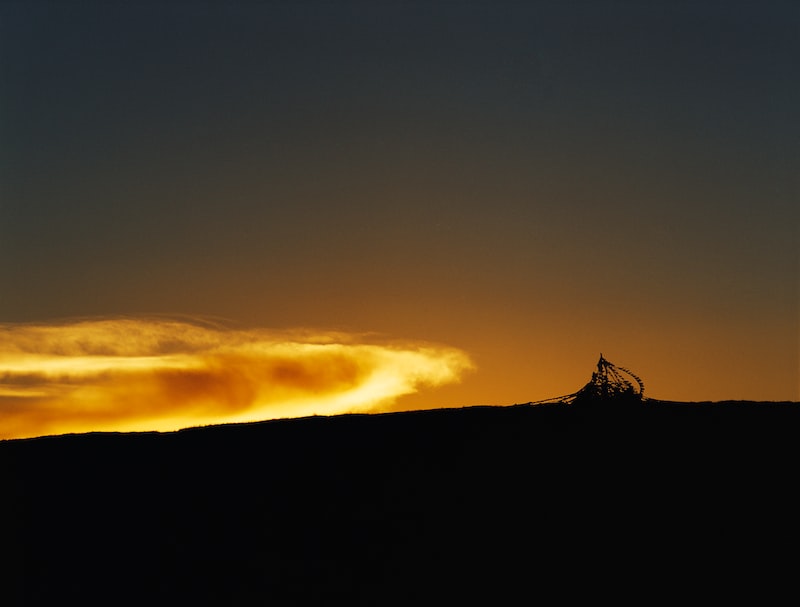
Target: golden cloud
[{"x": 130, "y": 374}]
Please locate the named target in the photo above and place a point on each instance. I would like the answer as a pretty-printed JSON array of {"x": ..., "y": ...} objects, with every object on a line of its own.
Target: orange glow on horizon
[{"x": 163, "y": 375}]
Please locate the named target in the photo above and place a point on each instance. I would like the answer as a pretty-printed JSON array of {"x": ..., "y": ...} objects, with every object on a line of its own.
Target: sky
[{"x": 515, "y": 187}]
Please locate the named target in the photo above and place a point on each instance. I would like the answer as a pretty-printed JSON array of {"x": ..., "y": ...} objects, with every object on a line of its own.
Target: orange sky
[{"x": 531, "y": 184}]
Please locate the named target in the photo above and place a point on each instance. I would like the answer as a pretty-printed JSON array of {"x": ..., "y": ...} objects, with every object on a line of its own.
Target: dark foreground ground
[{"x": 513, "y": 505}]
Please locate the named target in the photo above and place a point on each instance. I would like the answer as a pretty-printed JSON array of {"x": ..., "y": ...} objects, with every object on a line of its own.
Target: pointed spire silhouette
[
  {"x": 611, "y": 382},
  {"x": 610, "y": 385}
]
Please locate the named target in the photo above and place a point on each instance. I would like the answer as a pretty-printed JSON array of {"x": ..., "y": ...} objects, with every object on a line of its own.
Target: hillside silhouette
[{"x": 427, "y": 506}]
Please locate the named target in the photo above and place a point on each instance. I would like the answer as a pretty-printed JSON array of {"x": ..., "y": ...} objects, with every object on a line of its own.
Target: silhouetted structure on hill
[{"x": 610, "y": 385}]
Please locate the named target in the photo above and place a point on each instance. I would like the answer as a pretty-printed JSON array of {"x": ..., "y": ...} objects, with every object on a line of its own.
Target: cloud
[{"x": 130, "y": 374}]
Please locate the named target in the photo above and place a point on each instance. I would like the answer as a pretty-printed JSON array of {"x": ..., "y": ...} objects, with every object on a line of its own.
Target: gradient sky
[{"x": 532, "y": 182}]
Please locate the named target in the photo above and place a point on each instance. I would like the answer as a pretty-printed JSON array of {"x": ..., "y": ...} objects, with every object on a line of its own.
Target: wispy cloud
[{"x": 154, "y": 374}]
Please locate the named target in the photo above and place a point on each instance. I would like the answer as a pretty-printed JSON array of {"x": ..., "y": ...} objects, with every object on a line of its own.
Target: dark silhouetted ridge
[{"x": 665, "y": 501}]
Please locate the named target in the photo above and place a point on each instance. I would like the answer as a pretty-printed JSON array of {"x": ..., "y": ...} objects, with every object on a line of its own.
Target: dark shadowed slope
[{"x": 663, "y": 501}]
